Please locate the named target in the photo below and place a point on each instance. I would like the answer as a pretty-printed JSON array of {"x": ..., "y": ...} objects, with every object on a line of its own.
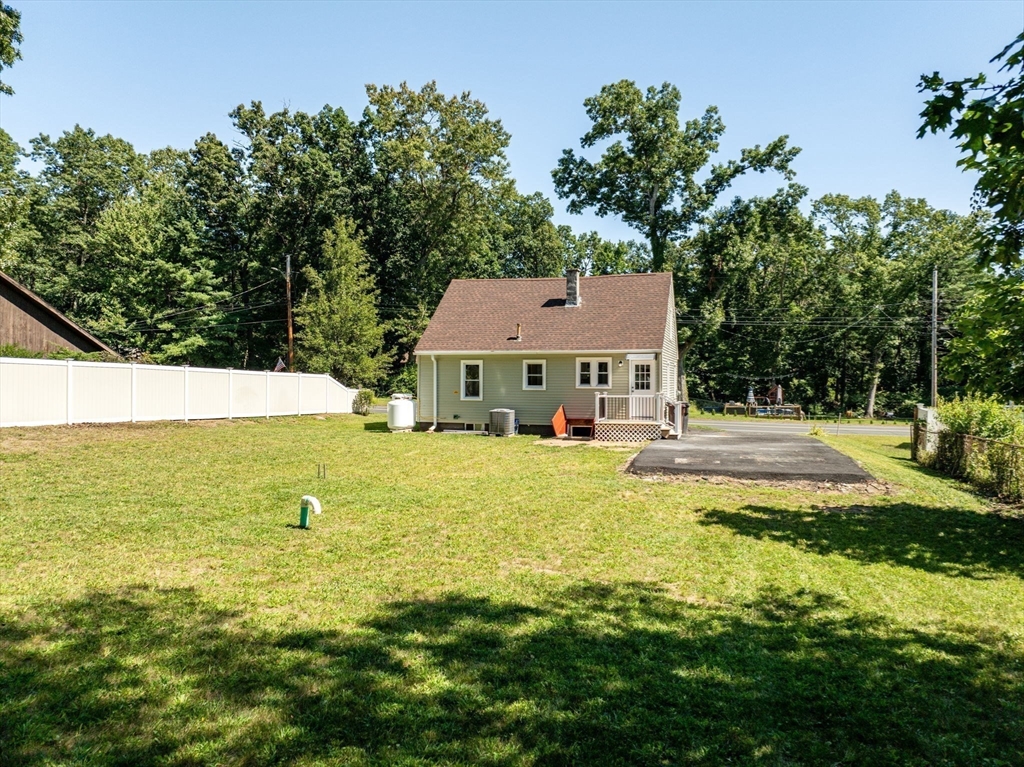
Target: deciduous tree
[
  {"x": 988, "y": 122},
  {"x": 653, "y": 173},
  {"x": 16, "y": 185},
  {"x": 986, "y": 354},
  {"x": 432, "y": 200},
  {"x": 10, "y": 39}
]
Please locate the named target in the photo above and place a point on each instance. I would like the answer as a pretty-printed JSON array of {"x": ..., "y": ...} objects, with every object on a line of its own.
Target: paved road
[
  {"x": 800, "y": 427},
  {"x": 749, "y": 456}
]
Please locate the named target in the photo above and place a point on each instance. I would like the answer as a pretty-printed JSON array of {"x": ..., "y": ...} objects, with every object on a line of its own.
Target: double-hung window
[
  {"x": 535, "y": 374},
  {"x": 472, "y": 379},
  {"x": 593, "y": 372}
]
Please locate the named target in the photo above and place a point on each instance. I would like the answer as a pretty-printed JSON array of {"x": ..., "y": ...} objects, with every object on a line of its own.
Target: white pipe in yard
[
  {"x": 434, "y": 360},
  {"x": 308, "y": 503}
]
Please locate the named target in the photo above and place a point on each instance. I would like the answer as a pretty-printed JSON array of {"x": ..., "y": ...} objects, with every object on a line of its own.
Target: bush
[
  {"x": 13, "y": 350},
  {"x": 362, "y": 402},
  {"x": 982, "y": 443},
  {"x": 982, "y": 417}
]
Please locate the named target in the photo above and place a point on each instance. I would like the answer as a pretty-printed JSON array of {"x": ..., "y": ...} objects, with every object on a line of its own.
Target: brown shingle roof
[{"x": 617, "y": 312}]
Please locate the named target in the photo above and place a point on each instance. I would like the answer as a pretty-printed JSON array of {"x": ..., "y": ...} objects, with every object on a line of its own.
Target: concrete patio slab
[{"x": 749, "y": 456}]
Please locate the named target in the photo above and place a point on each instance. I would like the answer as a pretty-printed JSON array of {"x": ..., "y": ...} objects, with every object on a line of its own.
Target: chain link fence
[{"x": 989, "y": 464}]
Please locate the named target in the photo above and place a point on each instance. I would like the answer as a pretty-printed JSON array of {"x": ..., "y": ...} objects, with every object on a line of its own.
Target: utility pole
[
  {"x": 288, "y": 291},
  {"x": 935, "y": 336}
]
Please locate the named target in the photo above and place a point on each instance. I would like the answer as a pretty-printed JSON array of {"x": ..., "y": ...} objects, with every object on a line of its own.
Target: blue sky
[{"x": 839, "y": 78}]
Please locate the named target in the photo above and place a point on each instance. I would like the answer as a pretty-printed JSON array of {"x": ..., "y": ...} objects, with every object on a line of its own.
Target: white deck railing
[
  {"x": 639, "y": 407},
  {"x": 628, "y": 407},
  {"x": 675, "y": 417}
]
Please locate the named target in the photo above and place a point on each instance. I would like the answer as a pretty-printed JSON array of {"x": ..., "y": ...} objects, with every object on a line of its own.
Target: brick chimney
[{"x": 572, "y": 287}]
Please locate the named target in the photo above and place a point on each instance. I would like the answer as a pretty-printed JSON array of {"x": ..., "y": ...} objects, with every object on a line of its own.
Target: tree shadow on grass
[
  {"x": 595, "y": 675},
  {"x": 949, "y": 541}
]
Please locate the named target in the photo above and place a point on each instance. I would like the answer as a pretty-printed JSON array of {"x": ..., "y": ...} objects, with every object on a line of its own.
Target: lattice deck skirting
[{"x": 627, "y": 431}]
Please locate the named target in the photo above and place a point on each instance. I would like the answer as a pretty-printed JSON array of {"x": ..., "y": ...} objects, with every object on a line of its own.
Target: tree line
[{"x": 178, "y": 255}]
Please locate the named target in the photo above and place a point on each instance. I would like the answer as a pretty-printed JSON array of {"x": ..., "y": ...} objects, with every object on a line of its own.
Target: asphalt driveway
[{"x": 749, "y": 456}]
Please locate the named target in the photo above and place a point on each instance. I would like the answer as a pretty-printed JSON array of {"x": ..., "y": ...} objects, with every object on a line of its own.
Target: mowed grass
[{"x": 469, "y": 600}]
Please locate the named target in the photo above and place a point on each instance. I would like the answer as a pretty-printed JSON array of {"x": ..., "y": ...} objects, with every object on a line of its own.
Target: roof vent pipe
[
  {"x": 572, "y": 287},
  {"x": 519, "y": 331}
]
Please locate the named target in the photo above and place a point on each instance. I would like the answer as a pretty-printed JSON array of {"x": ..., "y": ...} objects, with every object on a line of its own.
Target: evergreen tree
[{"x": 339, "y": 332}]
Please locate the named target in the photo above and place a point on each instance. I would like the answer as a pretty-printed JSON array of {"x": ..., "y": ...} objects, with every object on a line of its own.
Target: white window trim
[
  {"x": 462, "y": 380},
  {"x": 543, "y": 375},
  {"x": 593, "y": 372}
]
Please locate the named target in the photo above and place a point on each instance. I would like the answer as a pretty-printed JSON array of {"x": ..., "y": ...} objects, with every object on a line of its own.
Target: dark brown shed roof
[
  {"x": 618, "y": 312},
  {"x": 27, "y": 320}
]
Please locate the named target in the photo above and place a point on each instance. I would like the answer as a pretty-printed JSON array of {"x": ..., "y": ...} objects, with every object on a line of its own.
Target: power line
[
  {"x": 225, "y": 325},
  {"x": 205, "y": 306},
  {"x": 788, "y": 374},
  {"x": 157, "y": 328}
]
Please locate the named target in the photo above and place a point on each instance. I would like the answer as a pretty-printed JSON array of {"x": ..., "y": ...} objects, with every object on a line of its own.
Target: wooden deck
[{"x": 637, "y": 417}]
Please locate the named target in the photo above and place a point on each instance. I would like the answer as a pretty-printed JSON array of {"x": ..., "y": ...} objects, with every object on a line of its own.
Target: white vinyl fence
[{"x": 46, "y": 392}]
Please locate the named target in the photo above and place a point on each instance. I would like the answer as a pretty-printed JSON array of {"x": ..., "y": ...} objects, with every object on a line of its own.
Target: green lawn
[{"x": 470, "y": 600}]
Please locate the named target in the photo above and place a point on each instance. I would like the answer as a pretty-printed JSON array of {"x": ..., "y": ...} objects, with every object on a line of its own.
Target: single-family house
[{"x": 592, "y": 356}]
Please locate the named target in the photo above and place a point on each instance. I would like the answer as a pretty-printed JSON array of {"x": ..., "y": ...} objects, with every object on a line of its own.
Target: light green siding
[
  {"x": 503, "y": 387},
  {"x": 503, "y": 382}
]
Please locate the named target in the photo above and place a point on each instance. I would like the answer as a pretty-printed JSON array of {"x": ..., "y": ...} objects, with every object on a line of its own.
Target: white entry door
[{"x": 641, "y": 384}]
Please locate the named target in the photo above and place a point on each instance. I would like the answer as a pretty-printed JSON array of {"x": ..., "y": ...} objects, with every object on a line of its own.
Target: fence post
[
  {"x": 231, "y": 391},
  {"x": 68, "y": 388},
  {"x": 186, "y": 393},
  {"x": 134, "y": 397},
  {"x": 327, "y": 394},
  {"x": 267, "y": 393},
  {"x": 298, "y": 388}
]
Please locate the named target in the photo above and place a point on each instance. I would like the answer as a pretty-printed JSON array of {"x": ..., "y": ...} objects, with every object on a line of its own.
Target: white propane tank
[{"x": 401, "y": 413}]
